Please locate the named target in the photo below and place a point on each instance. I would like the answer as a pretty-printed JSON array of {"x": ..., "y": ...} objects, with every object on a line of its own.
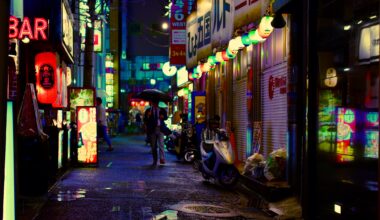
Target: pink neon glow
[
  {"x": 13, "y": 30},
  {"x": 40, "y": 26},
  {"x": 26, "y": 29}
]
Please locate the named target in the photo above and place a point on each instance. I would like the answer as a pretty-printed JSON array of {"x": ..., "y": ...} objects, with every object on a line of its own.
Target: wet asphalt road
[{"x": 125, "y": 186}]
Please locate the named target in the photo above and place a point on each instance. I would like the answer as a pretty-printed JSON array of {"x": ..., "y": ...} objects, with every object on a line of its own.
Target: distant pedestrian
[
  {"x": 102, "y": 122},
  {"x": 154, "y": 124},
  {"x": 138, "y": 120},
  {"x": 147, "y": 115}
]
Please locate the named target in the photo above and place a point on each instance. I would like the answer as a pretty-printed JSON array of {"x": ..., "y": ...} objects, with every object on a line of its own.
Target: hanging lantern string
[{"x": 230, "y": 53}]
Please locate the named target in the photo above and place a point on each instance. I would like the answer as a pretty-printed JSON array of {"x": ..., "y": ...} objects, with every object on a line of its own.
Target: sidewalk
[
  {"x": 124, "y": 179},
  {"x": 281, "y": 206}
]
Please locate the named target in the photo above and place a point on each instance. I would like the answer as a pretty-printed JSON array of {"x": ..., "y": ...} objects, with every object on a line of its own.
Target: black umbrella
[{"x": 154, "y": 95}]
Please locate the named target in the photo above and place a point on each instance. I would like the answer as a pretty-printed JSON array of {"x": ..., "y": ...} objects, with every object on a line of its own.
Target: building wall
[{"x": 115, "y": 46}]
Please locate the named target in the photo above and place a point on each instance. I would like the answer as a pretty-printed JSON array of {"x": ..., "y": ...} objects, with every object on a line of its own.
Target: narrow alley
[{"x": 126, "y": 186}]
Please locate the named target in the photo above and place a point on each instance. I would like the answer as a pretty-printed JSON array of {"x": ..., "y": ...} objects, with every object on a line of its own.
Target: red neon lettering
[
  {"x": 40, "y": 26},
  {"x": 26, "y": 29},
  {"x": 13, "y": 30}
]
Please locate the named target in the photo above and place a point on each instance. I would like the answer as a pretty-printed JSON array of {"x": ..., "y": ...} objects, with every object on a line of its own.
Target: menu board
[
  {"x": 87, "y": 135},
  {"x": 346, "y": 128}
]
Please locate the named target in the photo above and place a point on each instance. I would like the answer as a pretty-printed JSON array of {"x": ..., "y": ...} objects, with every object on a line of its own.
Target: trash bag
[
  {"x": 275, "y": 165},
  {"x": 252, "y": 163}
]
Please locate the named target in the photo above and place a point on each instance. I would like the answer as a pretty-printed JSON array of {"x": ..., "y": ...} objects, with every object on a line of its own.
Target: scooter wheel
[{"x": 189, "y": 156}]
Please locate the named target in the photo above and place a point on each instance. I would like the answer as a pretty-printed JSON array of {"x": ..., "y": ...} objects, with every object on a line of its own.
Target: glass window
[{"x": 348, "y": 135}]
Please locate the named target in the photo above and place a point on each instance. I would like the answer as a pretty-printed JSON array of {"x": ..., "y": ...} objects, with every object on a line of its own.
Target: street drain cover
[{"x": 206, "y": 210}]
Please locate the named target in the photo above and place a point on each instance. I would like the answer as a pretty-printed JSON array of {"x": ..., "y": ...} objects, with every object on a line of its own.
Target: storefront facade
[{"x": 346, "y": 61}]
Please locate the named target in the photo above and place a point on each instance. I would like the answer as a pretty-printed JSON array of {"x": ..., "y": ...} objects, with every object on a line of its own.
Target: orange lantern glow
[
  {"x": 142, "y": 103},
  {"x": 191, "y": 76},
  {"x": 133, "y": 103},
  {"x": 61, "y": 100},
  {"x": 46, "y": 77}
]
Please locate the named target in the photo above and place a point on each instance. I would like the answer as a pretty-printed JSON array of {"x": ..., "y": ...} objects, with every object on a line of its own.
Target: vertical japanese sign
[
  {"x": 97, "y": 36},
  {"x": 204, "y": 28},
  {"x": 191, "y": 40},
  {"x": 178, "y": 32},
  {"x": 67, "y": 30},
  {"x": 109, "y": 80},
  {"x": 222, "y": 22},
  {"x": 87, "y": 134}
]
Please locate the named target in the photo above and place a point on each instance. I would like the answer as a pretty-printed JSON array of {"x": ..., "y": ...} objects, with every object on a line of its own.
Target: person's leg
[
  {"x": 161, "y": 146},
  {"x": 106, "y": 137},
  {"x": 153, "y": 145}
]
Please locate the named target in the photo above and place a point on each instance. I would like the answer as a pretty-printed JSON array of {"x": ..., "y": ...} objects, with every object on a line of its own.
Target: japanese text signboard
[
  {"x": 87, "y": 135},
  {"x": 221, "y": 22},
  {"x": 178, "y": 32}
]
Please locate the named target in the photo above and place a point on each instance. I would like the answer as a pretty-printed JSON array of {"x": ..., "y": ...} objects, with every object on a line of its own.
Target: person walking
[
  {"x": 155, "y": 121},
  {"x": 138, "y": 121},
  {"x": 102, "y": 122}
]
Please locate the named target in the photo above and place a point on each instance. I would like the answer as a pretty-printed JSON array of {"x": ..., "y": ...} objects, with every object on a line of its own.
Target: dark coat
[{"x": 151, "y": 123}]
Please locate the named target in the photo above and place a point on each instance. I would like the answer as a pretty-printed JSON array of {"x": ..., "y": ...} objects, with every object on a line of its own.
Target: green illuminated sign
[
  {"x": 9, "y": 212},
  {"x": 349, "y": 116}
]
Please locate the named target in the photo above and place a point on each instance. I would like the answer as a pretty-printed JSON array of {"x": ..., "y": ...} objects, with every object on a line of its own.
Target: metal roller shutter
[
  {"x": 240, "y": 116},
  {"x": 274, "y": 110}
]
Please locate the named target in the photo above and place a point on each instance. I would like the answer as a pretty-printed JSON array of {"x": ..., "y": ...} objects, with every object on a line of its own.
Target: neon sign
[
  {"x": 35, "y": 32},
  {"x": 346, "y": 127},
  {"x": 87, "y": 134}
]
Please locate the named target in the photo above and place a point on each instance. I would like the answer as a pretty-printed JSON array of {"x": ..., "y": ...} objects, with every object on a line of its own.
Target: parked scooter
[
  {"x": 187, "y": 146},
  {"x": 171, "y": 142},
  {"x": 218, "y": 157},
  {"x": 182, "y": 143}
]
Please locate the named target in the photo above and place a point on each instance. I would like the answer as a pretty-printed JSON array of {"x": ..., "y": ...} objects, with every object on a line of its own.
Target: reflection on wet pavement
[
  {"x": 130, "y": 190},
  {"x": 65, "y": 196}
]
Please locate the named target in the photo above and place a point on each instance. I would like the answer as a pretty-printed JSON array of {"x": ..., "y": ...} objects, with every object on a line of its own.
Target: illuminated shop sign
[
  {"x": 192, "y": 37},
  {"x": 371, "y": 135},
  {"x": 81, "y": 97},
  {"x": 34, "y": 30},
  {"x": 355, "y": 129},
  {"x": 222, "y": 22},
  {"x": 369, "y": 43},
  {"x": 346, "y": 127},
  {"x": 247, "y": 11},
  {"x": 182, "y": 77},
  {"x": 46, "y": 77},
  {"x": 67, "y": 30},
  {"x": 178, "y": 32},
  {"x": 97, "y": 36},
  {"x": 87, "y": 134},
  {"x": 109, "y": 80},
  {"x": 61, "y": 100},
  {"x": 204, "y": 28}
]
